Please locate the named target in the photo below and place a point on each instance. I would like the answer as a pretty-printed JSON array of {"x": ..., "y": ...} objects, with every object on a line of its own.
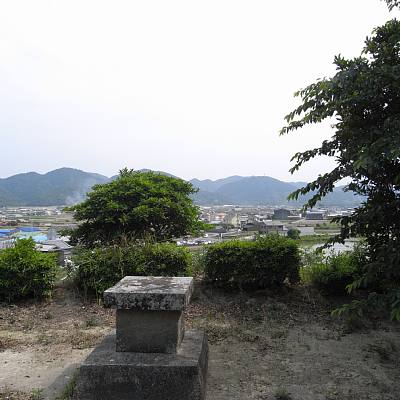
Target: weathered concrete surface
[
  {"x": 110, "y": 375},
  {"x": 150, "y": 293},
  {"x": 149, "y": 331}
]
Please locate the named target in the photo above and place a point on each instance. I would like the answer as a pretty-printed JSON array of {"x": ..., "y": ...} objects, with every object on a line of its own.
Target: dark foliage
[
  {"x": 363, "y": 100},
  {"x": 333, "y": 273},
  {"x": 264, "y": 263},
  {"x": 293, "y": 233},
  {"x": 25, "y": 272},
  {"x": 136, "y": 205},
  {"x": 100, "y": 268},
  {"x": 392, "y": 4}
]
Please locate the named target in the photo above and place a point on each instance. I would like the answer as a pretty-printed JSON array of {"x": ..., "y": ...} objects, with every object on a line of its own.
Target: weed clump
[
  {"x": 332, "y": 274},
  {"x": 282, "y": 394}
]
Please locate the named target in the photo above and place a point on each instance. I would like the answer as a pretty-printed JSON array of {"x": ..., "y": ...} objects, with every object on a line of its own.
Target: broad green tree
[
  {"x": 362, "y": 100},
  {"x": 136, "y": 205},
  {"x": 392, "y": 4}
]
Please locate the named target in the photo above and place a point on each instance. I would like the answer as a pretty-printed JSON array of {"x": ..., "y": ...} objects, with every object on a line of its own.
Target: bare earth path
[{"x": 259, "y": 345}]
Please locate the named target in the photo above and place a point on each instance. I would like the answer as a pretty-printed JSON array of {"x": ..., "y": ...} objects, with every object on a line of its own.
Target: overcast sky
[{"x": 194, "y": 88}]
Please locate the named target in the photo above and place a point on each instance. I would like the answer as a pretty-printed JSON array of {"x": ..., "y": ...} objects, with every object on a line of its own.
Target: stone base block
[
  {"x": 149, "y": 331},
  {"x": 110, "y": 375}
]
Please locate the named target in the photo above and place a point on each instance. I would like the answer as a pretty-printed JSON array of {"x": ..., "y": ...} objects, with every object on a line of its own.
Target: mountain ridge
[{"x": 66, "y": 186}]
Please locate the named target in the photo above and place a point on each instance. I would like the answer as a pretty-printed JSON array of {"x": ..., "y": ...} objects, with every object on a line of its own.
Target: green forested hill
[
  {"x": 66, "y": 186},
  {"x": 58, "y": 187},
  {"x": 261, "y": 190}
]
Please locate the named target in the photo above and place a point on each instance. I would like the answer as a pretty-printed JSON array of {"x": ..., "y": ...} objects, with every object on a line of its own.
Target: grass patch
[
  {"x": 282, "y": 394},
  {"x": 69, "y": 388},
  {"x": 37, "y": 394},
  {"x": 91, "y": 322}
]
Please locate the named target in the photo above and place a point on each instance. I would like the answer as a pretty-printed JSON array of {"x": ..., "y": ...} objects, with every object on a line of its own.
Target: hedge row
[
  {"x": 264, "y": 263},
  {"x": 99, "y": 268}
]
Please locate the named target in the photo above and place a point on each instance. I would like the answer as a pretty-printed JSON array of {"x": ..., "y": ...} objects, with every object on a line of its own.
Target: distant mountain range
[
  {"x": 59, "y": 187},
  {"x": 261, "y": 190},
  {"x": 66, "y": 186}
]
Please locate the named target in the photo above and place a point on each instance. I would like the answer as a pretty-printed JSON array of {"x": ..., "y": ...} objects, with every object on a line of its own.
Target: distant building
[
  {"x": 305, "y": 230},
  {"x": 315, "y": 215},
  {"x": 262, "y": 217},
  {"x": 232, "y": 218},
  {"x": 265, "y": 227},
  {"x": 63, "y": 249},
  {"x": 251, "y": 226},
  {"x": 243, "y": 220},
  {"x": 282, "y": 213}
]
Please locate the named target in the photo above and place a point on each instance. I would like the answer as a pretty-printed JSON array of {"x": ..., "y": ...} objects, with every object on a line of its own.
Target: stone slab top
[
  {"x": 157, "y": 293},
  {"x": 191, "y": 349}
]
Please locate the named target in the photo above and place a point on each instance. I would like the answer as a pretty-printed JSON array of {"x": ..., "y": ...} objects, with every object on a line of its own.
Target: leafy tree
[
  {"x": 392, "y": 4},
  {"x": 363, "y": 101},
  {"x": 136, "y": 205},
  {"x": 293, "y": 233}
]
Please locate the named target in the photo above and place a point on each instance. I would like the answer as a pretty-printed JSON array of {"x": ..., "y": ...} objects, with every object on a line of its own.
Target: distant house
[
  {"x": 282, "y": 214},
  {"x": 265, "y": 227},
  {"x": 305, "y": 230},
  {"x": 262, "y": 217},
  {"x": 271, "y": 227},
  {"x": 243, "y": 220},
  {"x": 232, "y": 218},
  {"x": 63, "y": 249},
  {"x": 315, "y": 215},
  {"x": 251, "y": 226}
]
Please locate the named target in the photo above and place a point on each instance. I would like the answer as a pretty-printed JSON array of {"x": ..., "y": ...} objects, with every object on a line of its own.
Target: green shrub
[
  {"x": 99, "y": 268},
  {"x": 293, "y": 233},
  {"x": 25, "y": 272},
  {"x": 264, "y": 263},
  {"x": 331, "y": 274}
]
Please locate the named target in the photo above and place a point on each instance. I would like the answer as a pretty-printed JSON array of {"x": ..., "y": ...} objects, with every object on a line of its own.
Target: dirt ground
[{"x": 262, "y": 346}]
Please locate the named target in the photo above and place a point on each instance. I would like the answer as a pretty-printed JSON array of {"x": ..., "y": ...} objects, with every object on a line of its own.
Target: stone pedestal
[
  {"x": 149, "y": 331},
  {"x": 110, "y": 375},
  {"x": 150, "y": 356},
  {"x": 149, "y": 312}
]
